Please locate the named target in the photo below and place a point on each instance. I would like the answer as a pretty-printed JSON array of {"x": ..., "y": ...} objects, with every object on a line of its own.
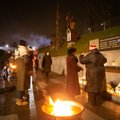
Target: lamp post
[
  {"x": 103, "y": 24},
  {"x": 7, "y": 46}
]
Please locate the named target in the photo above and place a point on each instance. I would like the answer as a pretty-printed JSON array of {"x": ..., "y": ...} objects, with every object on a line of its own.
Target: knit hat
[
  {"x": 71, "y": 50},
  {"x": 92, "y": 46},
  {"x": 22, "y": 42}
]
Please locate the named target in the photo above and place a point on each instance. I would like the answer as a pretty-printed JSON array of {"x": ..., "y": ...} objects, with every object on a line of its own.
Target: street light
[
  {"x": 7, "y": 46},
  {"x": 89, "y": 29},
  {"x": 103, "y": 24}
]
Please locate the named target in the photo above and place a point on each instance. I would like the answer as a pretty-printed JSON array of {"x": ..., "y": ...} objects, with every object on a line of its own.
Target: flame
[
  {"x": 62, "y": 108},
  {"x": 12, "y": 66}
]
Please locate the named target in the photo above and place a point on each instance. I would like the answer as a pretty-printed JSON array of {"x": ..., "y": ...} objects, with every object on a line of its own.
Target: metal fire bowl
[{"x": 78, "y": 109}]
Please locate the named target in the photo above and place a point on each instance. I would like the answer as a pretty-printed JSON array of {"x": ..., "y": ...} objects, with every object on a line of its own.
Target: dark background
[{"x": 32, "y": 19}]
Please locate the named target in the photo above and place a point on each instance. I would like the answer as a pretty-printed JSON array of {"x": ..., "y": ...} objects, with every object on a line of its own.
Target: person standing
[
  {"x": 46, "y": 64},
  {"x": 30, "y": 59},
  {"x": 21, "y": 58},
  {"x": 73, "y": 88},
  {"x": 30, "y": 72},
  {"x": 35, "y": 60},
  {"x": 95, "y": 73}
]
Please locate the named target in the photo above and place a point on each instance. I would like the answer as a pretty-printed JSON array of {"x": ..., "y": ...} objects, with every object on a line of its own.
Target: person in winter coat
[
  {"x": 30, "y": 58},
  {"x": 95, "y": 73},
  {"x": 35, "y": 60},
  {"x": 46, "y": 64},
  {"x": 21, "y": 58},
  {"x": 73, "y": 88}
]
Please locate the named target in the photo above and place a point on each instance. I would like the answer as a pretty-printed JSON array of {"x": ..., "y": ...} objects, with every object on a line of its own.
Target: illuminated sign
[{"x": 110, "y": 43}]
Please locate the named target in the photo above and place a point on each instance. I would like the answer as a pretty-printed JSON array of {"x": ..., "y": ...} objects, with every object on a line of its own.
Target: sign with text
[{"x": 110, "y": 43}]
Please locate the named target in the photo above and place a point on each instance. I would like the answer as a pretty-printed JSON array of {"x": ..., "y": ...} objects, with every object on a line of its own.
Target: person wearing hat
[
  {"x": 46, "y": 64},
  {"x": 73, "y": 88},
  {"x": 21, "y": 58},
  {"x": 95, "y": 74}
]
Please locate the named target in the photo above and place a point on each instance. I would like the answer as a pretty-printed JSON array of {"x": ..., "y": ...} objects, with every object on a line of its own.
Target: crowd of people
[
  {"x": 23, "y": 63},
  {"x": 26, "y": 65},
  {"x": 26, "y": 61}
]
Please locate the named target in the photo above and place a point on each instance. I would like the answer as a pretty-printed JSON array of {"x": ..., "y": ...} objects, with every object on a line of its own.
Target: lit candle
[{"x": 113, "y": 63}]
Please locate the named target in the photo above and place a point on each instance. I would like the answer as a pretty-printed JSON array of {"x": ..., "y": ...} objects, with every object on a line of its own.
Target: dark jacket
[
  {"x": 73, "y": 87},
  {"x": 95, "y": 70},
  {"x": 46, "y": 63}
]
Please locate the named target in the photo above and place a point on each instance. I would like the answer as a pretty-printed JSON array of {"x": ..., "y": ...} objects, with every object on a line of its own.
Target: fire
[
  {"x": 12, "y": 66},
  {"x": 62, "y": 108}
]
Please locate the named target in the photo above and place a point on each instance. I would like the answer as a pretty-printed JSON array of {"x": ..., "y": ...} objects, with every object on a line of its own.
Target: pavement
[{"x": 55, "y": 88}]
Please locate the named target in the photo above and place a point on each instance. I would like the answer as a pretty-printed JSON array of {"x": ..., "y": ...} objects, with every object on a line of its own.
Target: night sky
[{"x": 30, "y": 18}]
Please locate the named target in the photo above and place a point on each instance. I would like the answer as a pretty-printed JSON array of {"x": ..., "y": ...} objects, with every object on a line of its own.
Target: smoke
[{"x": 34, "y": 40}]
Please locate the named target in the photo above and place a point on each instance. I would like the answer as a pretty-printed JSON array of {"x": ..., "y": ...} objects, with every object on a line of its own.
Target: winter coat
[
  {"x": 21, "y": 51},
  {"x": 35, "y": 61},
  {"x": 73, "y": 87},
  {"x": 30, "y": 62},
  {"x": 21, "y": 56},
  {"x": 95, "y": 70},
  {"x": 46, "y": 63}
]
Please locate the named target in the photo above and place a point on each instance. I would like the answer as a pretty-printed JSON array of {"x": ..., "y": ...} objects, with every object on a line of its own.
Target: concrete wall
[
  {"x": 112, "y": 56},
  {"x": 59, "y": 65}
]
